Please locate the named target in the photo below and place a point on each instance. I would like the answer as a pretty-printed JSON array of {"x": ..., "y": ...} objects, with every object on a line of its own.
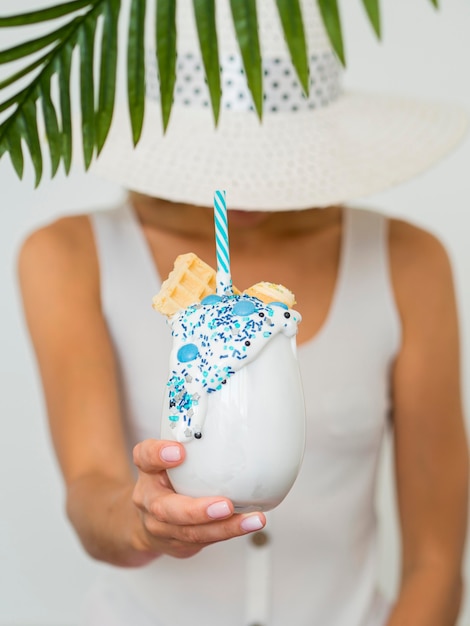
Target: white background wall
[{"x": 43, "y": 572}]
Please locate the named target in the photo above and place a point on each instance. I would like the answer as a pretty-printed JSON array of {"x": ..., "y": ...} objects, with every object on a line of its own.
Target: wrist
[
  {"x": 429, "y": 595},
  {"x": 107, "y": 522},
  {"x": 141, "y": 550}
]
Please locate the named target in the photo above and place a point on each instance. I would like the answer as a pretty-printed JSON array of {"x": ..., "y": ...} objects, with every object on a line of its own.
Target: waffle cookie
[
  {"x": 270, "y": 292},
  {"x": 189, "y": 282}
]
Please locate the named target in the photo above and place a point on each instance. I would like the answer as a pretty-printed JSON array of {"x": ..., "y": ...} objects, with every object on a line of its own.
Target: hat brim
[{"x": 359, "y": 145}]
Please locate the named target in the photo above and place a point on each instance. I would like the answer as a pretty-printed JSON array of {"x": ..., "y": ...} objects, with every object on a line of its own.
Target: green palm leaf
[
  {"x": 108, "y": 70},
  {"x": 245, "y": 20},
  {"x": 435, "y": 3},
  {"x": 204, "y": 11},
  {"x": 43, "y": 15},
  {"x": 372, "y": 8},
  {"x": 34, "y": 45},
  {"x": 63, "y": 66},
  {"x": 24, "y": 71},
  {"x": 136, "y": 67},
  {"x": 166, "y": 55},
  {"x": 14, "y": 147},
  {"x": 86, "y": 39},
  {"x": 292, "y": 23},
  {"x": 7, "y": 104},
  {"x": 52, "y": 127},
  {"x": 331, "y": 18},
  {"x": 29, "y": 131}
]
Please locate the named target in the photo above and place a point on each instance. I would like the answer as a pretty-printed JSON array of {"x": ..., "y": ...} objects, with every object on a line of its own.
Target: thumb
[{"x": 154, "y": 455}]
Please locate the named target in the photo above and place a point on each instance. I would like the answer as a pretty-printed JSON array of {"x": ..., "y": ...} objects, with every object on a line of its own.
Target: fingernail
[
  {"x": 252, "y": 523},
  {"x": 218, "y": 510},
  {"x": 171, "y": 453}
]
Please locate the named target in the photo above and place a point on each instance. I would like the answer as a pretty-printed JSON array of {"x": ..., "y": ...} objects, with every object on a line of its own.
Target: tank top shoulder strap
[
  {"x": 367, "y": 295},
  {"x": 124, "y": 258}
]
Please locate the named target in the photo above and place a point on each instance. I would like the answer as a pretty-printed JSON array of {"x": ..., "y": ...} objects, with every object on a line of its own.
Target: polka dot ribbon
[{"x": 282, "y": 90}]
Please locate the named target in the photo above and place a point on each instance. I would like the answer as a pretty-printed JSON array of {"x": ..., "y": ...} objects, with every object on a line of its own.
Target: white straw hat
[{"x": 330, "y": 148}]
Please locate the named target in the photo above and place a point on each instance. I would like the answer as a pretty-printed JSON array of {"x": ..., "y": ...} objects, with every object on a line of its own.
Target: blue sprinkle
[
  {"x": 187, "y": 353},
  {"x": 244, "y": 307},
  {"x": 281, "y": 304},
  {"x": 212, "y": 299},
  {"x": 174, "y": 418},
  {"x": 266, "y": 334}
]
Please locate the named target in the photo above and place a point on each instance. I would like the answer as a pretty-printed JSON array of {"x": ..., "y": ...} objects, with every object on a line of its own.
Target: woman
[{"x": 378, "y": 342}]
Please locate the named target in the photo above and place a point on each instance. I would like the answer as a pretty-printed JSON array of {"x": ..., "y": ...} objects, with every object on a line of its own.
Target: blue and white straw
[{"x": 224, "y": 279}]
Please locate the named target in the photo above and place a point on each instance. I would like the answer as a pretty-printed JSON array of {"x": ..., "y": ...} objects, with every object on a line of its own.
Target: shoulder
[
  {"x": 414, "y": 247},
  {"x": 63, "y": 237},
  {"x": 420, "y": 270},
  {"x": 60, "y": 252}
]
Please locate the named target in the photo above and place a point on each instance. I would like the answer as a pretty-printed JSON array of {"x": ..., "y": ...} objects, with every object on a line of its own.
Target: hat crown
[{"x": 282, "y": 90}]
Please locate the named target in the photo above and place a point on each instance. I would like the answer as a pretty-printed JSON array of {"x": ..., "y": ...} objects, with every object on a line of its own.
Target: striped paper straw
[{"x": 224, "y": 280}]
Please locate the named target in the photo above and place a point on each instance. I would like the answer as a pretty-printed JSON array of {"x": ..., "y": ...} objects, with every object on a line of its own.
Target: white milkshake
[{"x": 234, "y": 396}]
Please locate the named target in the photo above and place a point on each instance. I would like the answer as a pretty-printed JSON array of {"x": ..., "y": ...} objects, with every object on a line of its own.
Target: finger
[
  {"x": 206, "y": 533},
  {"x": 186, "y": 541},
  {"x": 176, "y": 509},
  {"x": 153, "y": 455}
]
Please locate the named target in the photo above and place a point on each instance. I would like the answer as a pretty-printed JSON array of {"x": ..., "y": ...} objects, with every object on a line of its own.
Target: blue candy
[
  {"x": 187, "y": 353},
  {"x": 212, "y": 299},
  {"x": 281, "y": 304},
  {"x": 243, "y": 308}
]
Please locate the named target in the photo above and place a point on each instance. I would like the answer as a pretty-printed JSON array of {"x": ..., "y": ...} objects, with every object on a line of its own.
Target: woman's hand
[{"x": 177, "y": 525}]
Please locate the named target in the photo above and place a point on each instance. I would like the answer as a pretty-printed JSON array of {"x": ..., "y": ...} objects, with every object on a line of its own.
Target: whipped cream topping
[{"x": 211, "y": 342}]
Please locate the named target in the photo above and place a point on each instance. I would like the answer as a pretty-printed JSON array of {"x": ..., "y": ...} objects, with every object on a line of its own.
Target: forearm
[
  {"x": 106, "y": 520},
  {"x": 429, "y": 596}
]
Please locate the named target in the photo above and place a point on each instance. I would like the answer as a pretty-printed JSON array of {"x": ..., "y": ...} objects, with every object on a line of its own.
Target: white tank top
[{"x": 316, "y": 562}]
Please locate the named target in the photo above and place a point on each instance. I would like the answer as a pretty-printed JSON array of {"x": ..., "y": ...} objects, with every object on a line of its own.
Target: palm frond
[
  {"x": 7, "y": 104},
  {"x": 331, "y": 18},
  {"x": 29, "y": 132},
  {"x": 86, "y": 41},
  {"x": 63, "y": 66},
  {"x": 293, "y": 25},
  {"x": 49, "y": 57},
  {"x": 245, "y": 19},
  {"x": 43, "y": 15},
  {"x": 24, "y": 71},
  {"x": 51, "y": 126},
  {"x": 21, "y": 125},
  {"x": 136, "y": 67},
  {"x": 108, "y": 71},
  {"x": 166, "y": 55},
  {"x": 204, "y": 11},
  {"x": 372, "y": 8},
  {"x": 14, "y": 147},
  {"x": 34, "y": 45}
]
